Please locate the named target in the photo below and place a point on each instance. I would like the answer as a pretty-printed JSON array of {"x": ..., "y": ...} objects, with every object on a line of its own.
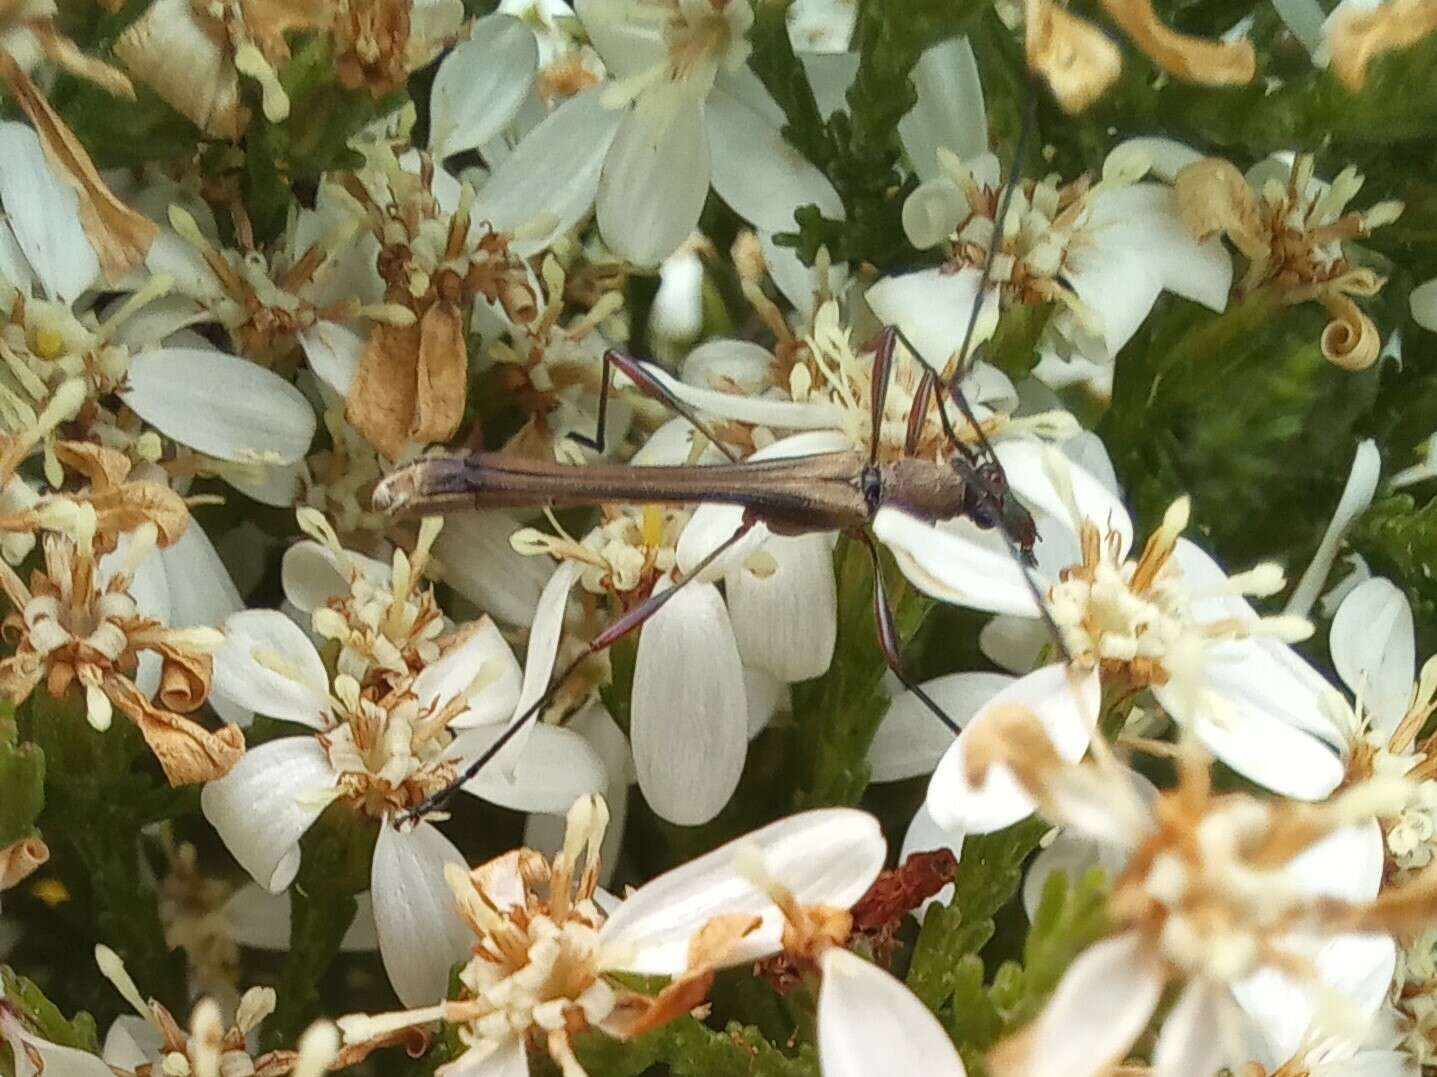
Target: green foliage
[
  {"x": 101, "y": 791},
  {"x": 312, "y": 139},
  {"x": 43, "y": 1017},
  {"x": 837, "y": 714},
  {"x": 1241, "y": 411},
  {"x": 334, "y": 866},
  {"x": 858, "y": 149},
  {"x": 989, "y": 871},
  {"x": 1400, "y": 541},
  {"x": 22, "y": 776}
]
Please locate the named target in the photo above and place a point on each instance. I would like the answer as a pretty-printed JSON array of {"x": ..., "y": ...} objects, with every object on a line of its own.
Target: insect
[{"x": 837, "y": 491}]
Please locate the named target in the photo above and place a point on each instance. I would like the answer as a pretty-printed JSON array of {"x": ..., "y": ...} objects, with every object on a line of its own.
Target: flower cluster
[{"x": 667, "y": 423}]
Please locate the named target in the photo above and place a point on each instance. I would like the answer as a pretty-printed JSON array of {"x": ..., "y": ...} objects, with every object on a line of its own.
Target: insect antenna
[{"x": 952, "y": 390}]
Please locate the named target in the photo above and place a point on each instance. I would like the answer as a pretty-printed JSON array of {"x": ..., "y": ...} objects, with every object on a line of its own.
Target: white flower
[
  {"x": 1222, "y": 895},
  {"x": 1170, "y": 621},
  {"x": 868, "y": 1023},
  {"x": 401, "y": 717},
  {"x": 1101, "y": 252},
  {"x": 683, "y": 113},
  {"x": 154, "y": 1042},
  {"x": 545, "y": 953}
]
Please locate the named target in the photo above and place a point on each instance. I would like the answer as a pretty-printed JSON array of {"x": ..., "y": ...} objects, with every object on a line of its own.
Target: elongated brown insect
[{"x": 841, "y": 491}]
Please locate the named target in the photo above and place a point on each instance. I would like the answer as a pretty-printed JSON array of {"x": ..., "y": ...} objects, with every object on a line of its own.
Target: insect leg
[
  {"x": 918, "y": 414},
  {"x": 878, "y": 396},
  {"x": 611, "y": 635},
  {"x": 651, "y": 387},
  {"x": 888, "y": 636}
]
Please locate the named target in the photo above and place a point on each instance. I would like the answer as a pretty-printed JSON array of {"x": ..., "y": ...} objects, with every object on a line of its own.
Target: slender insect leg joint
[
  {"x": 611, "y": 635},
  {"x": 638, "y": 372}
]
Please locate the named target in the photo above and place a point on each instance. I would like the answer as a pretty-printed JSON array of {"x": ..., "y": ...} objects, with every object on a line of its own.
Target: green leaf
[
  {"x": 43, "y": 1017},
  {"x": 837, "y": 714},
  {"x": 692, "y": 1049},
  {"x": 22, "y": 776},
  {"x": 101, "y": 790},
  {"x": 1242, "y": 412},
  {"x": 989, "y": 871},
  {"x": 335, "y": 856},
  {"x": 1071, "y": 915},
  {"x": 1400, "y": 541}
]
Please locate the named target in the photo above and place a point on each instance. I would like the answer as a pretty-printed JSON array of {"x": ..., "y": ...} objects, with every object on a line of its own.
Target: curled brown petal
[
  {"x": 184, "y": 679},
  {"x": 1075, "y": 57},
  {"x": 1214, "y": 199},
  {"x": 121, "y": 237},
  {"x": 134, "y": 504},
  {"x": 19, "y": 859},
  {"x": 188, "y": 753},
  {"x": 1350, "y": 340},
  {"x": 1191, "y": 59},
  {"x": 638, "y": 1014},
  {"x": 104, "y": 467},
  {"x": 1359, "y": 37},
  {"x": 441, "y": 375}
]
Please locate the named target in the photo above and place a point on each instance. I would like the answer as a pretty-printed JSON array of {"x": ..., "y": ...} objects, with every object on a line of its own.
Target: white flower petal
[
  {"x": 1277, "y": 756},
  {"x": 911, "y": 740},
  {"x": 545, "y": 832},
  {"x": 655, "y": 178},
  {"x": 830, "y": 75},
  {"x": 726, "y": 361},
  {"x": 1015, "y": 643},
  {"x": 312, "y": 575},
  {"x": 45, "y": 215},
  {"x": 244, "y": 669},
  {"x": 275, "y": 486},
  {"x": 1027, "y": 463},
  {"x": 200, "y": 589},
  {"x": 553, "y": 769},
  {"x": 1191, "y": 1041},
  {"x": 130, "y": 1043},
  {"x": 267, "y": 801},
  {"x": 628, "y": 46},
  {"x": 759, "y": 411},
  {"x": 869, "y": 1023},
  {"x": 56, "y": 1060},
  {"x": 1164, "y": 157},
  {"x": 1422, "y": 301},
  {"x": 949, "y": 112},
  {"x": 553, "y": 171},
  {"x": 1064, "y": 702},
  {"x": 956, "y": 562},
  {"x": 420, "y": 933},
  {"x": 483, "y": 653},
  {"x": 261, "y": 921},
  {"x": 766, "y": 695},
  {"x": 1100, "y": 1006},
  {"x": 1357, "y": 967},
  {"x": 821, "y": 26},
  {"x": 543, "y": 650},
  {"x": 931, "y": 306},
  {"x": 1356, "y": 496},
  {"x": 786, "y": 621},
  {"x": 481, "y": 84},
  {"x": 1375, "y": 650},
  {"x": 1072, "y": 854},
  {"x": 1305, "y": 19},
  {"x": 798, "y": 283},
  {"x": 1347, "y": 864},
  {"x": 689, "y": 714},
  {"x": 1143, "y": 218},
  {"x": 1118, "y": 285},
  {"x": 14, "y": 266},
  {"x": 825, "y": 857},
  {"x": 758, "y": 173},
  {"x": 482, "y": 566},
  {"x": 220, "y": 405},
  {"x": 924, "y": 836},
  {"x": 933, "y": 212},
  {"x": 334, "y": 352}
]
